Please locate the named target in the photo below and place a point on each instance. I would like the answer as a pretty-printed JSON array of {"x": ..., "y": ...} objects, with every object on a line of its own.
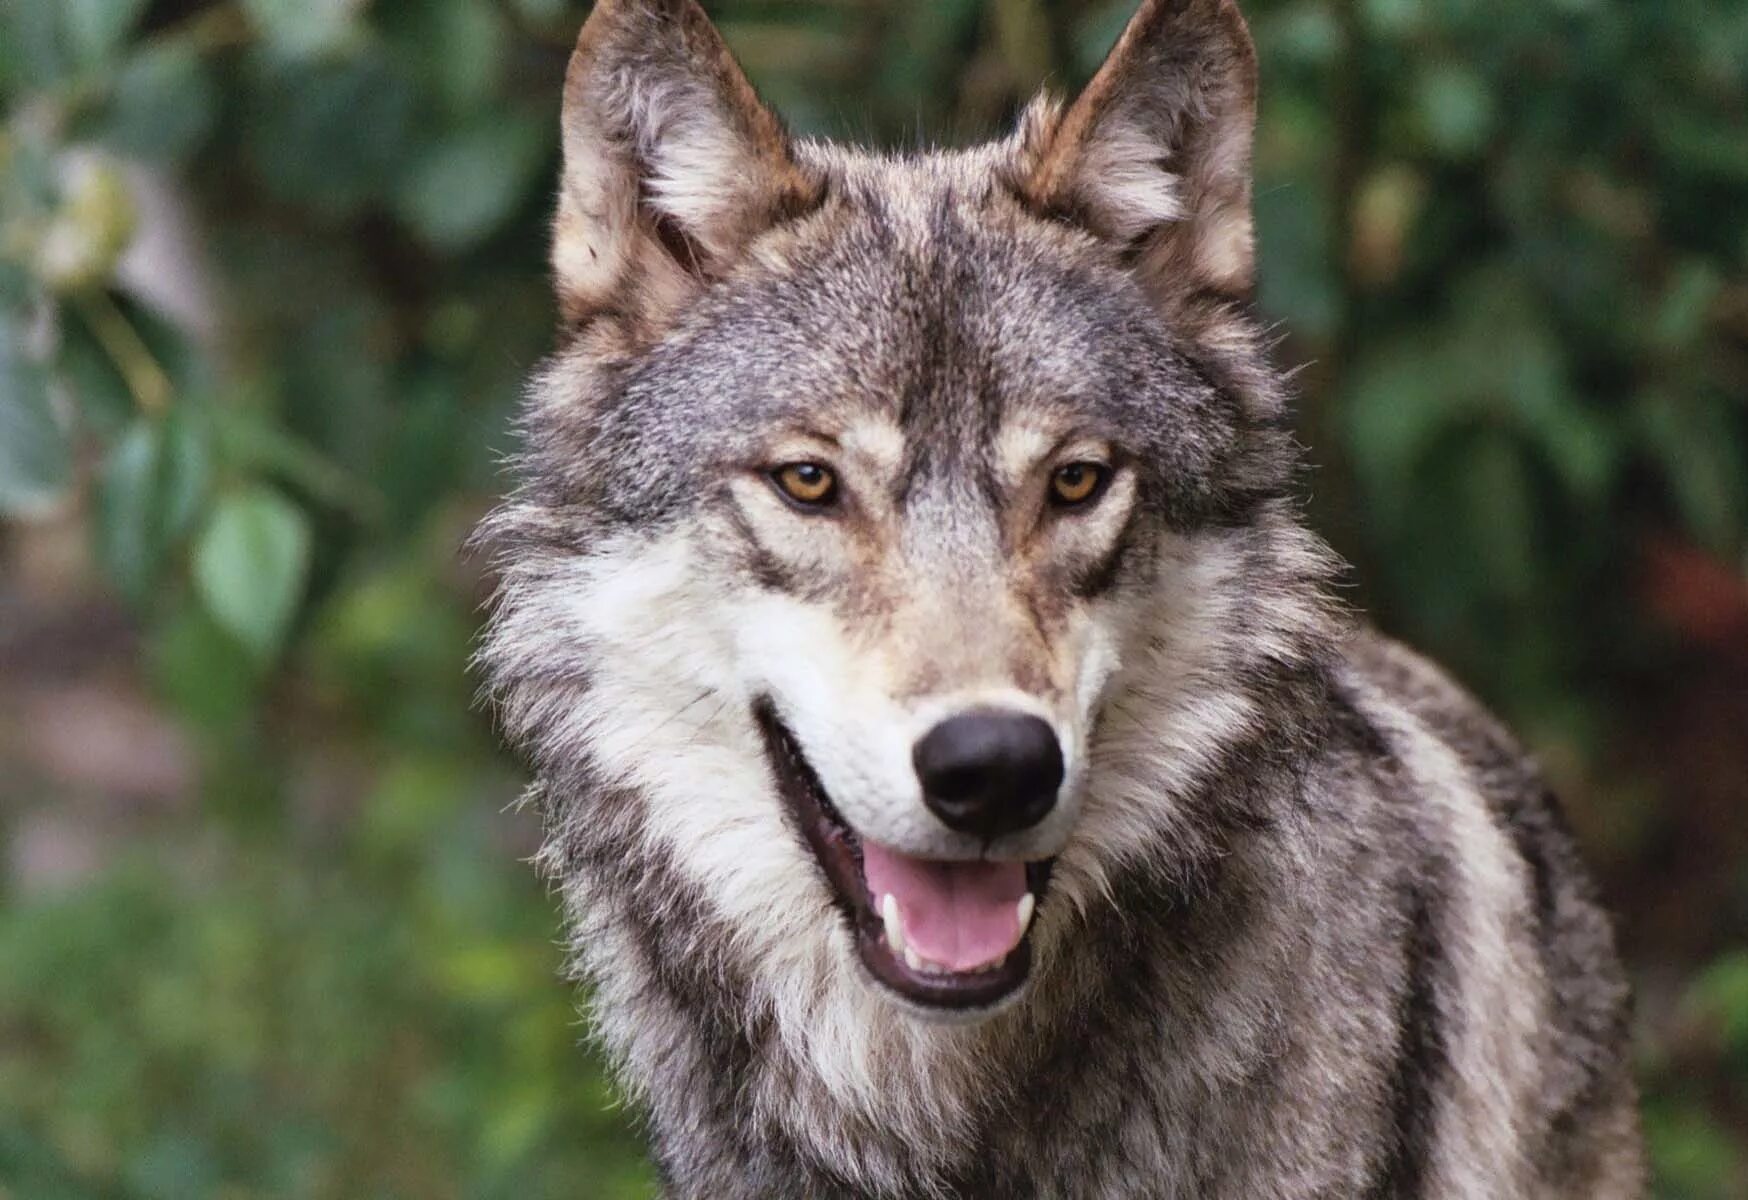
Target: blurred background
[{"x": 270, "y": 272}]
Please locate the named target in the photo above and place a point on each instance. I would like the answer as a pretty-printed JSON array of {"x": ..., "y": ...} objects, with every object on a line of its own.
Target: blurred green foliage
[{"x": 271, "y": 271}]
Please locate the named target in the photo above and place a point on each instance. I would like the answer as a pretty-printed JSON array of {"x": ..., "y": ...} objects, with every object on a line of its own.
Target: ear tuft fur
[
  {"x": 672, "y": 165},
  {"x": 1155, "y": 153}
]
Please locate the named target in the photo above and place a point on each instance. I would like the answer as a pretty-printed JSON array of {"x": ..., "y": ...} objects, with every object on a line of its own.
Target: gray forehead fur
[{"x": 924, "y": 292}]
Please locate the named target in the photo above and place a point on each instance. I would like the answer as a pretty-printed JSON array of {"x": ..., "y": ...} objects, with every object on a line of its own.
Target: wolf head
[{"x": 904, "y": 543}]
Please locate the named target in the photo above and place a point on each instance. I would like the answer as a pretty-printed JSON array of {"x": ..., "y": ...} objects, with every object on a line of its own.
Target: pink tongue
[{"x": 957, "y": 915}]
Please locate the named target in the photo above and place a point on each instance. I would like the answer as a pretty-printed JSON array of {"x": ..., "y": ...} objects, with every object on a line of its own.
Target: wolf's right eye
[
  {"x": 1077, "y": 483},
  {"x": 807, "y": 484}
]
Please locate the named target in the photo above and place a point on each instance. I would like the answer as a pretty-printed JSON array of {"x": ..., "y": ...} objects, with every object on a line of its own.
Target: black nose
[{"x": 989, "y": 772}]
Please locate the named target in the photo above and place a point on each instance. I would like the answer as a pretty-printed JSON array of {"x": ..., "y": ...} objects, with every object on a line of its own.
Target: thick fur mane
[
  {"x": 763, "y": 1031},
  {"x": 1305, "y": 921}
]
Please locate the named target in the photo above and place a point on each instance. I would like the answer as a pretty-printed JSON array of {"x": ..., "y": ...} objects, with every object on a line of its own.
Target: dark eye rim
[
  {"x": 827, "y": 501},
  {"x": 1103, "y": 473}
]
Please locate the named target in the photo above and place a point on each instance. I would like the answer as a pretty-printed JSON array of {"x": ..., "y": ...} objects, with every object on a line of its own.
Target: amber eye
[
  {"x": 1077, "y": 482},
  {"x": 806, "y": 483}
]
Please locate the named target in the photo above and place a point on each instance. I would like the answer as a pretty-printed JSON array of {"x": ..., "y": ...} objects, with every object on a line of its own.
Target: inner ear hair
[{"x": 672, "y": 235}]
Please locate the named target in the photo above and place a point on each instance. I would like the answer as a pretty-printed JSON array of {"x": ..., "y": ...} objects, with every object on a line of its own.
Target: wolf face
[{"x": 866, "y": 489}]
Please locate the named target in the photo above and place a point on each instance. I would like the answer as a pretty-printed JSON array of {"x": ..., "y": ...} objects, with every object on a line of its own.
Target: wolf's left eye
[
  {"x": 807, "y": 484},
  {"x": 1077, "y": 483}
]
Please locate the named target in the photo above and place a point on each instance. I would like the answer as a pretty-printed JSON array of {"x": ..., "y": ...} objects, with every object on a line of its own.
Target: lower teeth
[{"x": 923, "y": 966}]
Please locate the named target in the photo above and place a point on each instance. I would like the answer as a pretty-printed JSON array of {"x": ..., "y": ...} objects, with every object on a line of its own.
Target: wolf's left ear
[
  {"x": 671, "y": 163},
  {"x": 1155, "y": 153}
]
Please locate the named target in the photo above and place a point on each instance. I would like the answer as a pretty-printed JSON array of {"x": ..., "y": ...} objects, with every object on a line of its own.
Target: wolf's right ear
[
  {"x": 1154, "y": 154},
  {"x": 671, "y": 163}
]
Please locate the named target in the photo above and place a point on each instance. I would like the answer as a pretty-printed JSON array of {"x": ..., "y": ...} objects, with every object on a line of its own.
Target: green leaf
[
  {"x": 1456, "y": 110},
  {"x": 1498, "y": 511},
  {"x": 255, "y": 443},
  {"x": 1393, "y": 20},
  {"x": 1307, "y": 34},
  {"x": 336, "y": 364},
  {"x": 304, "y": 28},
  {"x": 1702, "y": 145},
  {"x": 1293, "y": 227},
  {"x": 95, "y": 29},
  {"x": 149, "y": 492},
  {"x": 1686, "y": 305},
  {"x": 457, "y": 46},
  {"x": 1721, "y": 995},
  {"x": 1399, "y": 403},
  {"x": 30, "y": 54},
  {"x": 1097, "y": 33},
  {"x": 99, "y": 394},
  {"x": 1703, "y": 463},
  {"x": 250, "y": 567},
  {"x": 1691, "y": 1156},
  {"x": 540, "y": 12},
  {"x": 36, "y": 458},
  {"x": 163, "y": 105},
  {"x": 172, "y": 1165},
  {"x": 466, "y": 186},
  {"x": 37, "y": 1168},
  {"x": 328, "y": 134},
  {"x": 204, "y": 673}
]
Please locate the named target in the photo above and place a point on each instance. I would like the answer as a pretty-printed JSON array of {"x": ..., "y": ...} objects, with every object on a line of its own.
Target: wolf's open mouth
[{"x": 948, "y": 935}]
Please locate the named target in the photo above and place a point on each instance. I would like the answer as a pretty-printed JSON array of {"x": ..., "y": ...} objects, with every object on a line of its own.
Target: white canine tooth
[
  {"x": 912, "y": 959},
  {"x": 1027, "y": 903},
  {"x": 894, "y": 926}
]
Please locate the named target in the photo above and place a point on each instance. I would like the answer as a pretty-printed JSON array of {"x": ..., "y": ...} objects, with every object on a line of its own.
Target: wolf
[{"x": 958, "y": 775}]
